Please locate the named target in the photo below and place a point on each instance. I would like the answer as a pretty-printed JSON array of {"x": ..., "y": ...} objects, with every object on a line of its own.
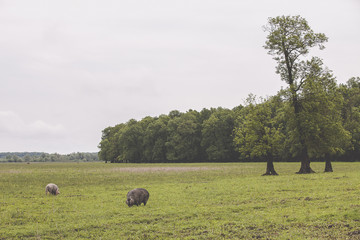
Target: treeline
[
  {"x": 46, "y": 157},
  {"x": 256, "y": 131}
]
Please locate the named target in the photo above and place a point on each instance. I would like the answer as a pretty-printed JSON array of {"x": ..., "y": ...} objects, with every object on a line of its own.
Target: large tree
[
  {"x": 289, "y": 40},
  {"x": 320, "y": 115},
  {"x": 259, "y": 133}
]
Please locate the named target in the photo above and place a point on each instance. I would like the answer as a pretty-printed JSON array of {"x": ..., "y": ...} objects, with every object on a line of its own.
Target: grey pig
[
  {"x": 52, "y": 189},
  {"x": 137, "y": 196}
]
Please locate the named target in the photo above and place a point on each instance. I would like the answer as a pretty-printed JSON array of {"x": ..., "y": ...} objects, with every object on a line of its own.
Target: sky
[{"x": 69, "y": 69}]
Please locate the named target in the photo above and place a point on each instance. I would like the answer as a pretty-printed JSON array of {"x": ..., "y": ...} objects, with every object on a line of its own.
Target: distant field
[{"x": 187, "y": 201}]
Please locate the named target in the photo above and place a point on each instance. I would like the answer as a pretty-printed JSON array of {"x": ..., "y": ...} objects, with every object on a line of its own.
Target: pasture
[{"x": 187, "y": 201}]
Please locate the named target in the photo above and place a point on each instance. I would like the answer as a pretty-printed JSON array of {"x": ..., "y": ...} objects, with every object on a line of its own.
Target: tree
[
  {"x": 351, "y": 115},
  {"x": 183, "y": 143},
  {"x": 260, "y": 131},
  {"x": 290, "y": 38},
  {"x": 217, "y": 137},
  {"x": 27, "y": 158},
  {"x": 320, "y": 115},
  {"x": 109, "y": 145},
  {"x": 131, "y": 141},
  {"x": 155, "y": 138}
]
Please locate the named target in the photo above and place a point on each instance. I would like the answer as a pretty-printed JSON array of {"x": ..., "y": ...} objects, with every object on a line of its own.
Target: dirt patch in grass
[
  {"x": 14, "y": 171},
  {"x": 162, "y": 169}
]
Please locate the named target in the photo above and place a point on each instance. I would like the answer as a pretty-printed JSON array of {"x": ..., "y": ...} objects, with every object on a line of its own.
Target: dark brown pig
[{"x": 137, "y": 196}]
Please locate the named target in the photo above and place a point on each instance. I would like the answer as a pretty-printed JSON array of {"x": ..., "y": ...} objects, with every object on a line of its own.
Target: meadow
[{"x": 187, "y": 201}]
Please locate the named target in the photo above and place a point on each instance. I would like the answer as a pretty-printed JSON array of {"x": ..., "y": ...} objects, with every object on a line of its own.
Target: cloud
[{"x": 12, "y": 125}]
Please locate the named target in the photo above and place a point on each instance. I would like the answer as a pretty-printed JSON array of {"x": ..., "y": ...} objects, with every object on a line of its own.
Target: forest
[
  {"x": 258, "y": 130},
  {"x": 47, "y": 157},
  {"x": 313, "y": 119}
]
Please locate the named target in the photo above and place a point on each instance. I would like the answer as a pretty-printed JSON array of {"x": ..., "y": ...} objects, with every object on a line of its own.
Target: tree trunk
[
  {"x": 328, "y": 165},
  {"x": 305, "y": 166},
  {"x": 270, "y": 170}
]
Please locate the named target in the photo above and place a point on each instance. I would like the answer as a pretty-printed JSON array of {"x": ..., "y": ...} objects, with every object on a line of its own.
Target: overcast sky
[{"x": 70, "y": 68}]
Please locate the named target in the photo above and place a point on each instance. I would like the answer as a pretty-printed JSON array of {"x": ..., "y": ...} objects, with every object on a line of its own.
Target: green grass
[{"x": 187, "y": 201}]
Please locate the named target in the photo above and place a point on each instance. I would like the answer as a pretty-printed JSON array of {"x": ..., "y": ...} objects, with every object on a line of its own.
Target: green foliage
[
  {"x": 351, "y": 115},
  {"x": 217, "y": 137},
  {"x": 187, "y": 201},
  {"x": 155, "y": 138},
  {"x": 46, "y": 157},
  {"x": 324, "y": 131},
  {"x": 289, "y": 39},
  {"x": 183, "y": 143},
  {"x": 255, "y": 132},
  {"x": 260, "y": 130},
  {"x": 177, "y": 137},
  {"x": 109, "y": 145},
  {"x": 319, "y": 118},
  {"x": 130, "y": 141}
]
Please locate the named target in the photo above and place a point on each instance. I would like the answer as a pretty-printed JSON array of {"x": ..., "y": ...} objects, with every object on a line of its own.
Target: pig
[
  {"x": 52, "y": 189},
  {"x": 137, "y": 196}
]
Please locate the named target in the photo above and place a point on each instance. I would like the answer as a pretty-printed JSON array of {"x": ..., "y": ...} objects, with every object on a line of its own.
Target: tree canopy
[{"x": 256, "y": 131}]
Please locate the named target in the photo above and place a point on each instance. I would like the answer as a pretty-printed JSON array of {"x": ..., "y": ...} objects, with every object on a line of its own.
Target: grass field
[{"x": 187, "y": 201}]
